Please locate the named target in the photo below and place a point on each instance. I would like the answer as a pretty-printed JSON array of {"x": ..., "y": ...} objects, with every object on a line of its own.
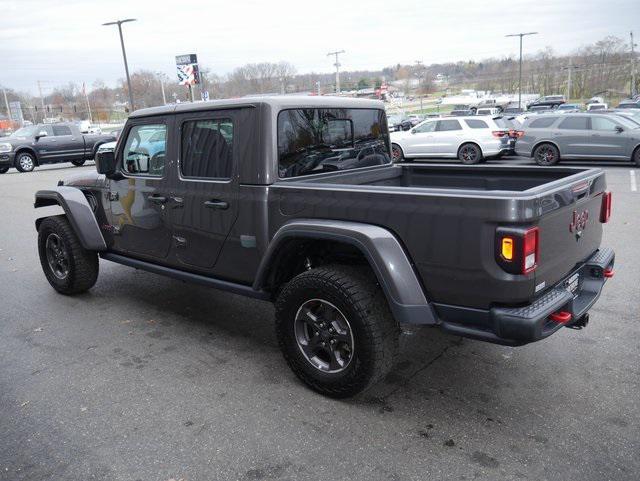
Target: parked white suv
[{"x": 470, "y": 139}]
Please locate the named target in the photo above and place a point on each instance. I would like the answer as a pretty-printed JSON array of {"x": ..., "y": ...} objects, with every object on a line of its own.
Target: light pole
[
  {"x": 337, "y": 65},
  {"x": 124, "y": 55},
  {"x": 633, "y": 66},
  {"x": 520, "y": 74},
  {"x": 161, "y": 79}
]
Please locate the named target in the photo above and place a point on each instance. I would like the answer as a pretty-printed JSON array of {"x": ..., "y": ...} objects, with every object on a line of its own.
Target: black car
[
  {"x": 40, "y": 144},
  {"x": 629, "y": 104},
  {"x": 551, "y": 101}
]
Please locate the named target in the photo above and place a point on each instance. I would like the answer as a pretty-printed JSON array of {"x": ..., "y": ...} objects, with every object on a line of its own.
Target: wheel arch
[
  {"x": 79, "y": 212},
  {"x": 465, "y": 142},
  {"x": 376, "y": 246},
  {"x": 545, "y": 141},
  {"x": 31, "y": 151}
]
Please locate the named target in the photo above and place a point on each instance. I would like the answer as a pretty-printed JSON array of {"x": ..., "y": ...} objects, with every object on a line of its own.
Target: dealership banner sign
[{"x": 187, "y": 69}]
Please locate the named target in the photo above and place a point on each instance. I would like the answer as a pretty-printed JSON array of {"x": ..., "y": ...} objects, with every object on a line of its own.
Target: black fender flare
[
  {"x": 78, "y": 211},
  {"x": 380, "y": 247}
]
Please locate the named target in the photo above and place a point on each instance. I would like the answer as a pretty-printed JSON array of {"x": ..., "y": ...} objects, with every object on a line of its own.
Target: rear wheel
[
  {"x": 25, "y": 162},
  {"x": 546, "y": 154},
  {"x": 3, "y": 170},
  {"x": 78, "y": 163},
  {"x": 470, "y": 154},
  {"x": 335, "y": 330},
  {"x": 69, "y": 268},
  {"x": 396, "y": 153}
]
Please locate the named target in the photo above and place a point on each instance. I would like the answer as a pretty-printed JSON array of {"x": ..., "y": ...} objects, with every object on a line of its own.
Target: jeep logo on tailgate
[{"x": 578, "y": 222}]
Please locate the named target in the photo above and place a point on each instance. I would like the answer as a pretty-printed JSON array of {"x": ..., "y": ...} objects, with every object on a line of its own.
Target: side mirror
[
  {"x": 42, "y": 133},
  {"x": 619, "y": 129},
  {"x": 106, "y": 162}
]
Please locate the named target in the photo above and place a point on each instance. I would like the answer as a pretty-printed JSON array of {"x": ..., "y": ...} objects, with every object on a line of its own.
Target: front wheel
[
  {"x": 78, "y": 163},
  {"x": 335, "y": 330},
  {"x": 396, "y": 153},
  {"x": 470, "y": 154},
  {"x": 546, "y": 154},
  {"x": 636, "y": 157},
  {"x": 69, "y": 268},
  {"x": 4, "y": 170},
  {"x": 25, "y": 162}
]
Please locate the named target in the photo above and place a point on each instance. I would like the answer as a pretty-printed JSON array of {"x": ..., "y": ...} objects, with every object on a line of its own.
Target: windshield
[
  {"x": 312, "y": 141},
  {"x": 26, "y": 131},
  {"x": 629, "y": 122}
]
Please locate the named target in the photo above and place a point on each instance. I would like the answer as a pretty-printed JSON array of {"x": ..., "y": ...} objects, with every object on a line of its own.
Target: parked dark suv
[{"x": 295, "y": 200}]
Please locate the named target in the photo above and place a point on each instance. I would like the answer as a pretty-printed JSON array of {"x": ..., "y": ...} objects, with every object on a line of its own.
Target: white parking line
[{"x": 632, "y": 179}]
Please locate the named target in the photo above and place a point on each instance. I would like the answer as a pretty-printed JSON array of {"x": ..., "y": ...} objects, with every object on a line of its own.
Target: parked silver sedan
[
  {"x": 470, "y": 139},
  {"x": 551, "y": 138}
]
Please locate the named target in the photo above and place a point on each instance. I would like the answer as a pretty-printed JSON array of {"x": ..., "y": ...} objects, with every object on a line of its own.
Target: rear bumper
[{"x": 524, "y": 324}]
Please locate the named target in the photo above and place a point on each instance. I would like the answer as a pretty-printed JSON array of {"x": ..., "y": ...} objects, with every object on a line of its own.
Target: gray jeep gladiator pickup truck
[
  {"x": 295, "y": 200},
  {"x": 40, "y": 144}
]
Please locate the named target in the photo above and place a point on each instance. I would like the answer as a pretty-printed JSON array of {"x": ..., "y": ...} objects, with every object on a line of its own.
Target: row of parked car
[{"x": 608, "y": 135}]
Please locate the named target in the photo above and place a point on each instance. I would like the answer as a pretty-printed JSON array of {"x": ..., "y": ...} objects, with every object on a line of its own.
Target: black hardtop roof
[{"x": 277, "y": 102}]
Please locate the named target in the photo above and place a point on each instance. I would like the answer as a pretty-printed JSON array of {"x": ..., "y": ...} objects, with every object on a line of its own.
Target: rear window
[
  {"x": 312, "y": 141},
  {"x": 574, "y": 123},
  {"x": 504, "y": 123},
  {"x": 542, "y": 123},
  {"x": 476, "y": 124}
]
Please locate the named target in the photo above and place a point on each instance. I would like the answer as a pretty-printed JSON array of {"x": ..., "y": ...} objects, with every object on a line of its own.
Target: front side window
[
  {"x": 312, "y": 141},
  {"x": 425, "y": 128},
  {"x": 145, "y": 149},
  {"x": 476, "y": 124},
  {"x": 602, "y": 123},
  {"x": 448, "y": 125},
  {"x": 207, "y": 149},
  {"x": 61, "y": 130},
  {"x": 574, "y": 123}
]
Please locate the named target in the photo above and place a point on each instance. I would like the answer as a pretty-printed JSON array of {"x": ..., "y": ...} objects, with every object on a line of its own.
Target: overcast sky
[{"x": 60, "y": 41}]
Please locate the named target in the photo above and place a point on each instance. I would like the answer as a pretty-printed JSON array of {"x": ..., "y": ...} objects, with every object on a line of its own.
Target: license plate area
[{"x": 572, "y": 284}]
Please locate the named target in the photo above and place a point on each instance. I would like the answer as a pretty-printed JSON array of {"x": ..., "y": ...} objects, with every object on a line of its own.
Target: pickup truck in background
[
  {"x": 295, "y": 200},
  {"x": 40, "y": 144}
]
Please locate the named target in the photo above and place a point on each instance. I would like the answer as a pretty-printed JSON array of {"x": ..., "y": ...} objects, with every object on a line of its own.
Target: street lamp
[
  {"x": 520, "y": 75},
  {"x": 124, "y": 54}
]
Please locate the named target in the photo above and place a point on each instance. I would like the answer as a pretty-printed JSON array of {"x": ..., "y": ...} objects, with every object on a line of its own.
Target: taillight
[
  {"x": 605, "y": 208},
  {"x": 499, "y": 133},
  {"x": 516, "y": 134},
  {"x": 517, "y": 249}
]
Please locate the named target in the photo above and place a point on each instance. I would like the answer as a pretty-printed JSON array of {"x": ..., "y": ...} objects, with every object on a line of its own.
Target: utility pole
[
  {"x": 419, "y": 75},
  {"x": 6, "y": 103},
  {"x": 569, "y": 69},
  {"x": 41, "y": 99},
  {"x": 124, "y": 55},
  {"x": 337, "y": 65},
  {"x": 520, "y": 70},
  {"x": 164, "y": 98},
  {"x": 633, "y": 66}
]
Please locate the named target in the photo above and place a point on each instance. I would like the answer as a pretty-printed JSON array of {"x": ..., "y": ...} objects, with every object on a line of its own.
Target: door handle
[
  {"x": 157, "y": 199},
  {"x": 216, "y": 204}
]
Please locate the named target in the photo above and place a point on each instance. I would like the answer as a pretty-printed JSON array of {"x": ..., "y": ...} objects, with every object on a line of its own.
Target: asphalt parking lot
[{"x": 146, "y": 378}]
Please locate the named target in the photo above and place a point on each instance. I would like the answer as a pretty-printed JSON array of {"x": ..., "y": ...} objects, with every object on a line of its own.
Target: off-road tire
[
  {"x": 355, "y": 293},
  {"x": 24, "y": 167},
  {"x": 78, "y": 163},
  {"x": 4, "y": 170},
  {"x": 546, "y": 154},
  {"x": 470, "y": 154},
  {"x": 83, "y": 264}
]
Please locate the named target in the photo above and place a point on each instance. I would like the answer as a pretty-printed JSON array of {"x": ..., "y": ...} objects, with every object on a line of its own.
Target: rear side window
[
  {"x": 542, "y": 123},
  {"x": 61, "y": 130},
  {"x": 574, "y": 123},
  {"x": 476, "y": 124},
  {"x": 447, "y": 125},
  {"x": 207, "y": 149},
  {"x": 312, "y": 141}
]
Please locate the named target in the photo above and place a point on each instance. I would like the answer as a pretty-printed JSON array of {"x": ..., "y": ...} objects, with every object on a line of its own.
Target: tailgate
[{"x": 570, "y": 233}]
